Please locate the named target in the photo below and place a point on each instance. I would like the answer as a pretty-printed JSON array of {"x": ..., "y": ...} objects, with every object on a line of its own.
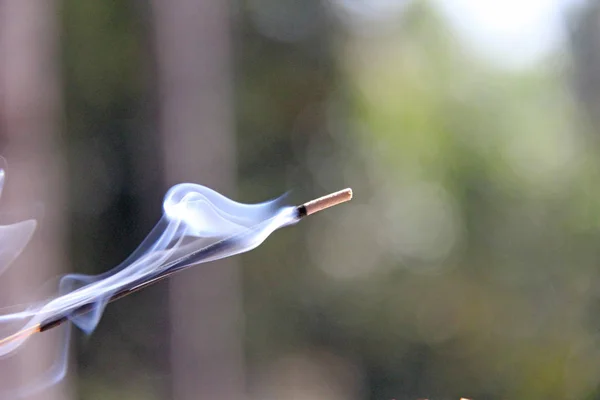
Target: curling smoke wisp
[
  {"x": 195, "y": 218},
  {"x": 198, "y": 225},
  {"x": 14, "y": 237}
]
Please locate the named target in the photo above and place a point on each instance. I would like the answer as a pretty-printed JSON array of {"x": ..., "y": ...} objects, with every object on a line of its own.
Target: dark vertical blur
[
  {"x": 32, "y": 143},
  {"x": 584, "y": 29},
  {"x": 116, "y": 187},
  {"x": 196, "y": 124}
]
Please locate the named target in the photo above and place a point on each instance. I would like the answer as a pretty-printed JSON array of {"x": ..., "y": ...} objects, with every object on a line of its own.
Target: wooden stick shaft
[
  {"x": 330, "y": 200},
  {"x": 24, "y": 333}
]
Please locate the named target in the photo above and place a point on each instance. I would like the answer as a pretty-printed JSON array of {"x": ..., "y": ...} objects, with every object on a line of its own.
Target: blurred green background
[{"x": 467, "y": 264}]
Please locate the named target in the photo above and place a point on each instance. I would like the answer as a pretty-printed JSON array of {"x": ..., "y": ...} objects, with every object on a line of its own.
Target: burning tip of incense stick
[{"x": 330, "y": 200}]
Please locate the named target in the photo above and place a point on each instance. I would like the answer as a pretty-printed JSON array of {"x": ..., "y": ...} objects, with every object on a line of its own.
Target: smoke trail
[
  {"x": 14, "y": 237},
  {"x": 195, "y": 218}
]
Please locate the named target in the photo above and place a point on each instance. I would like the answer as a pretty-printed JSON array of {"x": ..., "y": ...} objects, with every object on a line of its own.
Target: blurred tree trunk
[
  {"x": 29, "y": 122},
  {"x": 193, "y": 50},
  {"x": 585, "y": 49}
]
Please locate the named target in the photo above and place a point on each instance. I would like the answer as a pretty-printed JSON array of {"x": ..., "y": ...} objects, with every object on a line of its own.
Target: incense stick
[
  {"x": 180, "y": 264},
  {"x": 21, "y": 334},
  {"x": 324, "y": 202}
]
